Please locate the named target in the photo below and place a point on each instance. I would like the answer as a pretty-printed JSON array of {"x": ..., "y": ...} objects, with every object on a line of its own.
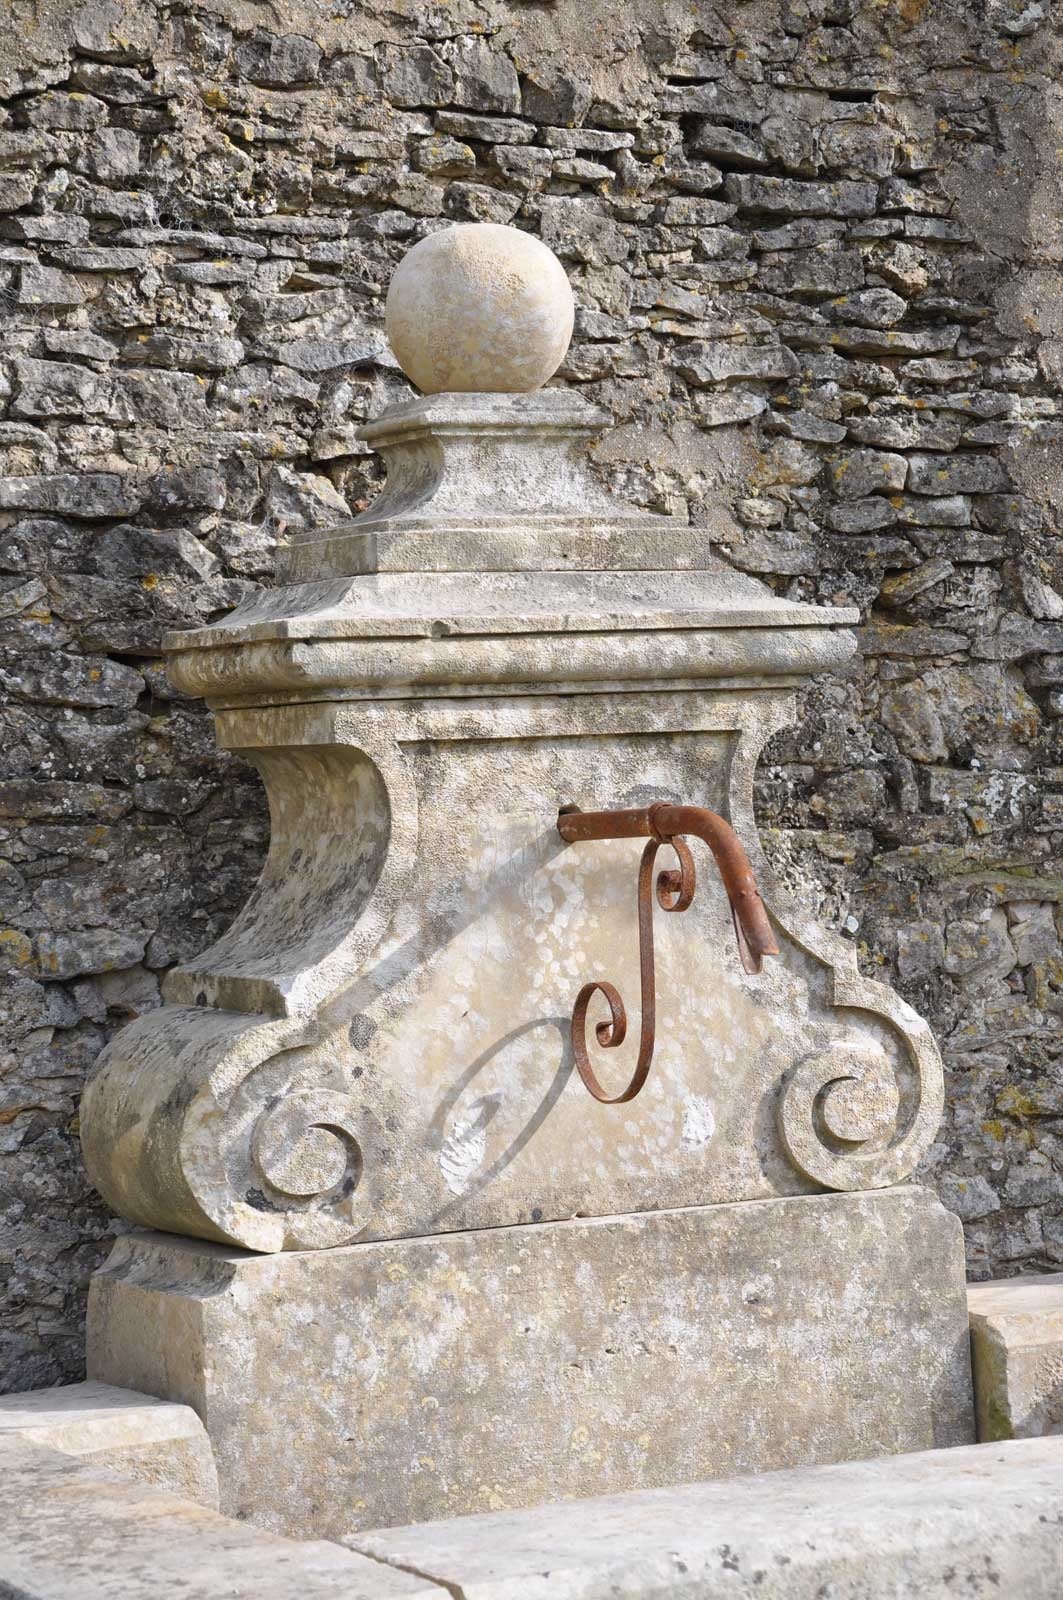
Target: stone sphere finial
[{"x": 479, "y": 308}]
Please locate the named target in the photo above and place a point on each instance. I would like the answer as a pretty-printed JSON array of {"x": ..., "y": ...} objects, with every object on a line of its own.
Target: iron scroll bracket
[{"x": 662, "y": 824}]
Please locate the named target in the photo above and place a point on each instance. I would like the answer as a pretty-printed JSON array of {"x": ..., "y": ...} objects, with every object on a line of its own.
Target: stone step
[
  {"x": 978, "y": 1520},
  {"x": 973, "y": 1521},
  {"x": 151, "y": 1441},
  {"x": 72, "y": 1530}
]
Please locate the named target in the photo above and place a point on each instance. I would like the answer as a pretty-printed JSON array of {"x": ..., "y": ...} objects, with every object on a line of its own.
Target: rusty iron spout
[{"x": 663, "y": 824}]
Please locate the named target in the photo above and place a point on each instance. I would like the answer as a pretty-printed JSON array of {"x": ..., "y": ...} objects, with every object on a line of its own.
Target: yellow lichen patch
[
  {"x": 16, "y": 946},
  {"x": 1015, "y": 1102},
  {"x": 17, "y": 1111}
]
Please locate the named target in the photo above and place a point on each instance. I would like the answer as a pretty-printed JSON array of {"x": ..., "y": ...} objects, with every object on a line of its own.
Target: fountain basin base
[{"x": 403, "y": 1381}]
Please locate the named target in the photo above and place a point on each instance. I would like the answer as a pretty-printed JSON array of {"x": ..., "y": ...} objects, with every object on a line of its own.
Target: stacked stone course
[{"x": 816, "y": 254}]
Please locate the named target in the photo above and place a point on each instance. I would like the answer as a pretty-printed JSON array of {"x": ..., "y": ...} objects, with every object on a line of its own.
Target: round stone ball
[{"x": 479, "y": 308}]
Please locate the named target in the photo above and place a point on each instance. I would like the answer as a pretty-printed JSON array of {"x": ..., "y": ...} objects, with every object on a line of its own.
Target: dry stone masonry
[{"x": 815, "y": 249}]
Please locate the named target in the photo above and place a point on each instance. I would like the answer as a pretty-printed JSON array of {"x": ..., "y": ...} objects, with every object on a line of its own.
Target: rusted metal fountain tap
[{"x": 663, "y": 824}]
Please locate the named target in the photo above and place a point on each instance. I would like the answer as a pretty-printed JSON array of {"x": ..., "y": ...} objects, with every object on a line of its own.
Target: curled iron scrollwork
[{"x": 675, "y": 892}]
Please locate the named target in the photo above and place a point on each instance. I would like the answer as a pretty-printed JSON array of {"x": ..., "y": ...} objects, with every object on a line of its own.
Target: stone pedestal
[
  {"x": 371, "y": 1077},
  {"x": 390, "y": 1383},
  {"x": 379, "y": 1046}
]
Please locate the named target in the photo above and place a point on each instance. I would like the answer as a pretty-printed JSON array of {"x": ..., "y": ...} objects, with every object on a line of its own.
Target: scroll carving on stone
[{"x": 861, "y": 1111}]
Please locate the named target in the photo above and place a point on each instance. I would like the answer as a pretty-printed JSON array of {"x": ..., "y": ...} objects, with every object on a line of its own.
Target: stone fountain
[{"x": 397, "y": 1257}]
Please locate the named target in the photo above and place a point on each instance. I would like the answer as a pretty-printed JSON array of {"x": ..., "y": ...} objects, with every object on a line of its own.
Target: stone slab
[
  {"x": 71, "y": 1530},
  {"x": 971, "y": 1523},
  {"x": 1017, "y": 1353},
  {"x": 985, "y": 1521},
  {"x": 406, "y": 1380},
  {"x": 152, "y": 1441}
]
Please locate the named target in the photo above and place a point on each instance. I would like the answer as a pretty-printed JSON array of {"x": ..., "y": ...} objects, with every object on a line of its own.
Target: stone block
[
  {"x": 74, "y": 1531},
  {"x": 151, "y": 1441},
  {"x": 1017, "y": 1355},
  {"x": 485, "y": 79},
  {"x": 394, "y": 1382},
  {"x": 843, "y": 199},
  {"x": 448, "y": 1099},
  {"x": 874, "y": 308},
  {"x": 975, "y": 1523},
  {"x": 957, "y": 474},
  {"x": 417, "y": 77},
  {"x": 717, "y": 361},
  {"x": 817, "y": 270},
  {"x": 88, "y": 495},
  {"x": 857, "y": 473},
  {"x": 279, "y": 62}
]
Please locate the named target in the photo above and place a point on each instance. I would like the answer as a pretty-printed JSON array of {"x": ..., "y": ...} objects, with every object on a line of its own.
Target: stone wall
[{"x": 816, "y": 247}]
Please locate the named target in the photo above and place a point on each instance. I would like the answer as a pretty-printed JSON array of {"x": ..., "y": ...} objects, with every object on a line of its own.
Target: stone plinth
[
  {"x": 1017, "y": 1349},
  {"x": 402, "y": 1381}
]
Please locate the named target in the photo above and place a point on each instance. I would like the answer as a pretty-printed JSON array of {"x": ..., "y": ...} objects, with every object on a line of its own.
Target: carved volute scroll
[
  {"x": 379, "y": 1044},
  {"x": 860, "y": 1111}
]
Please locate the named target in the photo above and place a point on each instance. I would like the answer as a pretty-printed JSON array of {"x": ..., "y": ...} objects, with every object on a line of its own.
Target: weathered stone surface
[
  {"x": 298, "y": 187},
  {"x": 959, "y": 1524},
  {"x": 259, "y": 1124},
  {"x": 151, "y": 1441},
  {"x": 957, "y": 474},
  {"x": 75, "y": 1531},
  {"x": 862, "y": 472},
  {"x": 717, "y": 361},
  {"x": 953, "y": 1523},
  {"x": 511, "y": 1366},
  {"x": 843, "y": 199},
  {"x": 1017, "y": 1355},
  {"x": 481, "y": 1136},
  {"x": 498, "y": 305}
]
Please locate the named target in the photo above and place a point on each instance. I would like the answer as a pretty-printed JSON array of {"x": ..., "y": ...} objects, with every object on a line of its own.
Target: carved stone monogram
[{"x": 379, "y": 1046}]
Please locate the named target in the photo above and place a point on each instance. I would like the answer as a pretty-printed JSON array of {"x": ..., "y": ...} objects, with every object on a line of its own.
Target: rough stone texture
[
  {"x": 202, "y": 212},
  {"x": 75, "y": 1531},
  {"x": 972, "y": 1524},
  {"x": 981, "y": 1521},
  {"x": 1017, "y": 1355},
  {"x": 151, "y": 1441},
  {"x": 395, "y": 1382}
]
